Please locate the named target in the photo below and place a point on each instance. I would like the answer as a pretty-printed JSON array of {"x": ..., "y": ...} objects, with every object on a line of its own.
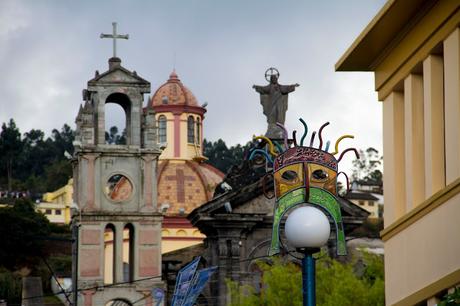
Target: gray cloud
[{"x": 49, "y": 49}]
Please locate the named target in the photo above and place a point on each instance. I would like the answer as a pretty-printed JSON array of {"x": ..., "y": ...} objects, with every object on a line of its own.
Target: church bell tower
[{"x": 119, "y": 227}]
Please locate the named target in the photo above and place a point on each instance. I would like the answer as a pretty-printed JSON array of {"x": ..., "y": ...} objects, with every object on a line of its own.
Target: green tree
[
  {"x": 10, "y": 149},
  {"x": 113, "y": 137},
  {"x": 368, "y": 166},
  {"x": 20, "y": 229},
  {"x": 32, "y": 162},
  {"x": 10, "y": 286},
  {"x": 36, "y": 155},
  {"x": 451, "y": 299},
  {"x": 222, "y": 157},
  {"x": 336, "y": 284},
  {"x": 63, "y": 140},
  {"x": 57, "y": 174}
]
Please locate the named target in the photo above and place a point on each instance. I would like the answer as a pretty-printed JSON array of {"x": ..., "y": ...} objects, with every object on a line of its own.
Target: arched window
[
  {"x": 118, "y": 302},
  {"x": 191, "y": 130},
  {"x": 198, "y": 131},
  {"x": 117, "y": 119},
  {"x": 109, "y": 254},
  {"x": 128, "y": 253},
  {"x": 162, "y": 129}
]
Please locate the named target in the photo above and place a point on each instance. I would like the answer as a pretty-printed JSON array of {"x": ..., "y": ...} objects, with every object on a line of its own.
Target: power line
[{"x": 139, "y": 280}]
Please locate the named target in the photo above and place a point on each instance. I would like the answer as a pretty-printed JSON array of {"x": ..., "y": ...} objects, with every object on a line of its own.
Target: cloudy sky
[{"x": 50, "y": 49}]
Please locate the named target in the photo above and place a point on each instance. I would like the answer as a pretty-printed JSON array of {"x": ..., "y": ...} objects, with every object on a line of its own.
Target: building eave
[{"x": 390, "y": 22}]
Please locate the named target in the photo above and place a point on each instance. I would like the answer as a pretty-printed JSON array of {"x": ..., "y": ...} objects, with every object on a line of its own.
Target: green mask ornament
[{"x": 304, "y": 175}]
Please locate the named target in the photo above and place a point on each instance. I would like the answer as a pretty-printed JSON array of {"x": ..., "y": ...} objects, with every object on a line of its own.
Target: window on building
[
  {"x": 162, "y": 129},
  {"x": 198, "y": 130},
  {"x": 361, "y": 203},
  {"x": 58, "y": 212},
  {"x": 48, "y": 211},
  {"x": 371, "y": 203},
  {"x": 191, "y": 130},
  {"x": 109, "y": 254},
  {"x": 128, "y": 257}
]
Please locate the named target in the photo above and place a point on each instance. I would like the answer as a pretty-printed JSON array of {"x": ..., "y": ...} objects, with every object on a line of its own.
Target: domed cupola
[
  {"x": 173, "y": 92},
  {"x": 180, "y": 120},
  {"x": 184, "y": 181}
]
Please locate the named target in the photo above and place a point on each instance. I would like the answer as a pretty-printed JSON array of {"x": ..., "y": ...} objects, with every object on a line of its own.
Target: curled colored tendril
[
  {"x": 346, "y": 178},
  {"x": 347, "y": 150},
  {"x": 312, "y": 139},
  {"x": 320, "y": 135},
  {"x": 328, "y": 143},
  {"x": 294, "y": 137},
  {"x": 271, "y": 147},
  {"x": 285, "y": 135},
  {"x": 305, "y": 131},
  {"x": 339, "y": 140},
  {"x": 262, "y": 152},
  {"x": 279, "y": 148}
]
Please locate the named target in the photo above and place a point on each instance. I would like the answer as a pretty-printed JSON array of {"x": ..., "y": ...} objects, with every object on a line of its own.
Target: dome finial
[{"x": 173, "y": 75}]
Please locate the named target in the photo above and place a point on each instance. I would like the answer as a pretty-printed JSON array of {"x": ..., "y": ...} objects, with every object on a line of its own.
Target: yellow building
[
  {"x": 184, "y": 181},
  {"x": 366, "y": 201},
  {"x": 56, "y": 204},
  {"x": 413, "y": 48}
]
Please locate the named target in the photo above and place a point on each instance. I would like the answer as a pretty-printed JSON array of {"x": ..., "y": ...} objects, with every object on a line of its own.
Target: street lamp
[
  {"x": 304, "y": 176},
  {"x": 307, "y": 228}
]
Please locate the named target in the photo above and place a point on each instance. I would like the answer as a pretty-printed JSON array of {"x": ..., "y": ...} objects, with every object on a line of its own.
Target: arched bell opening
[
  {"x": 109, "y": 254},
  {"x": 117, "y": 119},
  {"x": 128, "y": 253},
  {"x": 118, "y": 302}
]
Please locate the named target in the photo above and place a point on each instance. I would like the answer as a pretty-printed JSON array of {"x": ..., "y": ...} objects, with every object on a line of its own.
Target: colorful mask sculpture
[{"x": 304, "y": 175}]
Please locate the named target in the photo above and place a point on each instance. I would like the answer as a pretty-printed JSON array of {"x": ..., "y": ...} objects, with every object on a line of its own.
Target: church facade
[{"x": 115, "y": 190}]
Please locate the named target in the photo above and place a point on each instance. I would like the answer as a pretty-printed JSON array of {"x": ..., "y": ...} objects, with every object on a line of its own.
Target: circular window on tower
[{"x": 119, "y": 188}]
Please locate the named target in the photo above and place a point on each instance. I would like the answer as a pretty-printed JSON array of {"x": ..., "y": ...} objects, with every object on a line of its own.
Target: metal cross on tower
[{"x": 114, "y": 36}]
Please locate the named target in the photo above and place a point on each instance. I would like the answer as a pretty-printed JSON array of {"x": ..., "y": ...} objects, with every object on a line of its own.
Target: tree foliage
[
  {"x": 336, "y": 284},
  {"x": 113, "y": 137},
  {"x": 10, "y": 286},
  {"x": 222, "y": 157},
  {"x": 10, "y": 148},
  {"x": 451, "y": 299},
  {"x": 368, "y": 167},
  {"x": 20, "y": 229},
  {"x": 32, "y": 162}
]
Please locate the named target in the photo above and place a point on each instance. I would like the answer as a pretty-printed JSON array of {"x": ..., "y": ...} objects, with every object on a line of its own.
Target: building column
[
  {"x": 414, "y": 140},
  {"x": 393, "y": 157},
  {"x": 432, "y": 301},
  {"x": 452, "y": 105},
  {"x": 118, "y": 244},
  {"x": 433, "y": 98},
  {"x": 88, "y": 297},
  {"x": 90, "y": 203},
  {"x": 177, "y": 132},
  {"x": 148, "y": 181}
]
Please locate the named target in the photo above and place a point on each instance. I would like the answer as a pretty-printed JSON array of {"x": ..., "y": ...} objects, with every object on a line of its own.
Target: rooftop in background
[{"x": 360, "y": 196}]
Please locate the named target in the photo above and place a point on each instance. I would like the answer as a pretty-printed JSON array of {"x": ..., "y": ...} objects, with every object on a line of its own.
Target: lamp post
[{"x": 307, "y": 228}]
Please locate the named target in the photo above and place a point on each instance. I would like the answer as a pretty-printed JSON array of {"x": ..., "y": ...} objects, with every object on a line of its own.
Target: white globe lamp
[{"x": 307, "y": 227}]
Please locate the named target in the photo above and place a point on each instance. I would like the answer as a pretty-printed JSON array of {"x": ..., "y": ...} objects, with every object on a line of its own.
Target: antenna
[{"x": 174, "y": 61}]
